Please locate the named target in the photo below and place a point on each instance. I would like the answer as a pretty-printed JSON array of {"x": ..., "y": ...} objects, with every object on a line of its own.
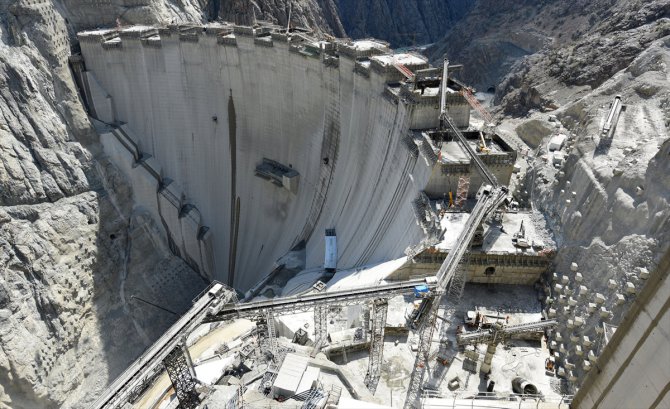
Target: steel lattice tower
[
  {"x": 380, "y": 308},
  {"x": 178, "y": 369}
]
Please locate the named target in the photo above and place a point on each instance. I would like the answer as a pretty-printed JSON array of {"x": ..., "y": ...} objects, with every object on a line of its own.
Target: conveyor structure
[
  {"x": 499, "y": 334},
  {"x": 288, "y": 305},
  {"x": 134, "y": 380},
  {"x": 320, "y": 327}
]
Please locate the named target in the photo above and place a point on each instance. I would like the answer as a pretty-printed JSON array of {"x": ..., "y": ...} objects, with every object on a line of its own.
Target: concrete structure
[
  {"x": 637, "y": 354},
  {"x": 200, "y": 108},
  {"x": 496, "y": 260},
  {"x": 454, "y": 163},
  {"x": 290, "y": 375}
]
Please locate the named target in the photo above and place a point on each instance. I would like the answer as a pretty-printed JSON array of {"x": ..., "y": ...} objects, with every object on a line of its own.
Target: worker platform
[
  {"x": 454, "y": 163},
  {"x": 424, "y": 95},
  {"x": 503, "y": 255}
]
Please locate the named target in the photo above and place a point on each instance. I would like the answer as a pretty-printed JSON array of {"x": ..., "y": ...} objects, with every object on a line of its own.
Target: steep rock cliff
[
  {"x": 525, "y": 49},
  {"x": 79, "y": 261},
  {"x": 402, "y": 23}
]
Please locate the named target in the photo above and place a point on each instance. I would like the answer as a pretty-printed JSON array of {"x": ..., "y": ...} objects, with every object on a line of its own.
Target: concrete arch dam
[{"x": 243, "y": 143}]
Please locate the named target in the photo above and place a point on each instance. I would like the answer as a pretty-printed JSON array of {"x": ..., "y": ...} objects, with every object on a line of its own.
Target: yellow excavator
[{"x": 482, "y": 144}]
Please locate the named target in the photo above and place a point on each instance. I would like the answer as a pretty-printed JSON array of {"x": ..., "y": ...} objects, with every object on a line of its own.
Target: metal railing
[{"x": 521, "y": 401}]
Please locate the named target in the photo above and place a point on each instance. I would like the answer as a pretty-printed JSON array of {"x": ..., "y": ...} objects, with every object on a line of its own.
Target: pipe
[{"x": 523, "y": 386}]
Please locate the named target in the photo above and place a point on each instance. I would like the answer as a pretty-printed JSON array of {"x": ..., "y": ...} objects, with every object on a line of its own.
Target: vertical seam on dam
[
  {"x": 234, "y": 200},
  {"x": 396, "y": 201},
  {"x": 172, "y": 245},
  {"x": 329, "y": 149}
]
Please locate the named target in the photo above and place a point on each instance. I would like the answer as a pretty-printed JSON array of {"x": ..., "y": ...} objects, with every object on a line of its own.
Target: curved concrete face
[{"x": 209, "y": 109}]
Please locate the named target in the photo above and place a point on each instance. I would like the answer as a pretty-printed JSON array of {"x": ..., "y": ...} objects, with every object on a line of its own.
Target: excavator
[
  {"x": 519, "y": 239},
  {"x": 483, "y": 148}
]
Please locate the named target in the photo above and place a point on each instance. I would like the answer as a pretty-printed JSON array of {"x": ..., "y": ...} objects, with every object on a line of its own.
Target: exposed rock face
[
  {"x": 73, "y": 251},
  {"x": 574, "y": 42},
  {"x": 616, "y": 34},
  {"x": 77, "y": 258},
  {"x": 320, "y": 15},
  {"x": 491, "y": 38},
  {"x": 401, "y": 23},
  {"x": 84, "y": 14},
  {"x": 609, "y": 202}
]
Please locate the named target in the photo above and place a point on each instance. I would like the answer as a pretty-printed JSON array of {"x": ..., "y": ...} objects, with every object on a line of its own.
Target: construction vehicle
[
  {"x": 421, "y": 291},
  {"x": 550, "y": 365},
  {"x": 483, "y": 148},
  {"x": 519, "y": 239}
]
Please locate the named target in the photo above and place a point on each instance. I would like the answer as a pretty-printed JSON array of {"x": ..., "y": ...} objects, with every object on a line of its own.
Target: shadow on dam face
[
  {"x": 235, "y": 200},
  {"x": 256, "y": 147}
]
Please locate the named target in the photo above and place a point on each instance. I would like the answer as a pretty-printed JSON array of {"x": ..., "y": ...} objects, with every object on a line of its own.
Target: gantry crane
[{"x": 497, "y": 334}]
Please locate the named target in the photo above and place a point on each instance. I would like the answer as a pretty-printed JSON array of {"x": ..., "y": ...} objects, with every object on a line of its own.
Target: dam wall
[{"x": 205, "y": 107}]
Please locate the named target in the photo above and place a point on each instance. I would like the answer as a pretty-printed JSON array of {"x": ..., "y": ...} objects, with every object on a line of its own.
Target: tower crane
[{"x": 489, "y": 124}]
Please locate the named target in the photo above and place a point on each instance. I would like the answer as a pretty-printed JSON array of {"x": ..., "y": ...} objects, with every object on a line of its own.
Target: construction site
[{"x": 367, "y": 231}]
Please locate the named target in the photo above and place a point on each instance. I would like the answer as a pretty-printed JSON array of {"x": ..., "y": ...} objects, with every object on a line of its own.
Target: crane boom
[
  {"x": 443, "y": 91},
  {"x": 467, "y": 94},
  {"x": 404, "y": 71}
]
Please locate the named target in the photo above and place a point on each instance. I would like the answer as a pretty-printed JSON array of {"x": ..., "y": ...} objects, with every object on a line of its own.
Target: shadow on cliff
[{"x": 139, "y": 287}]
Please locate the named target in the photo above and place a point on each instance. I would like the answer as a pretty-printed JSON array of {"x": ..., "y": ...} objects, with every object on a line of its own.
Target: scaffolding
[
  {"x": 334, "y": 395},
  {"x": 422, "y": 355},
  {"x": 177, "y": 365},
  {"x": 237, "y": 401},
  {"x": 271, "y": 333},
  {"x": 314, "y": 396},
  {"x": 320, "y": 327},
  {"x": 379, "y": 310},
  {"x": 261, "y": 333},
  {"x": 462, "y": 190}
]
